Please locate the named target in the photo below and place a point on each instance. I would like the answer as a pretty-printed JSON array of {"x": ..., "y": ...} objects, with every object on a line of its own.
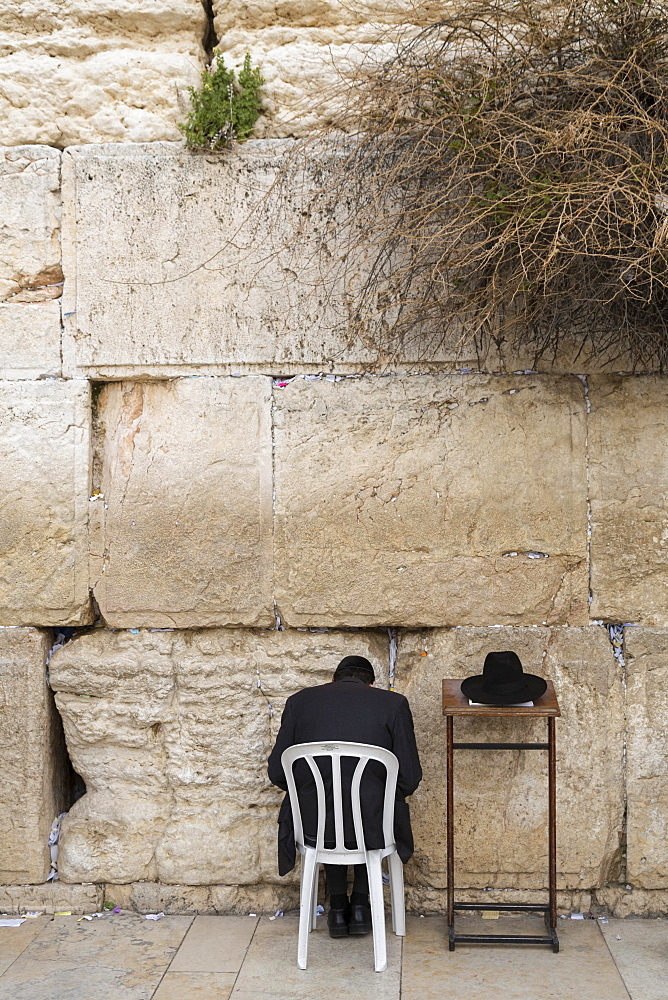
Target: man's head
[{"x": 355, "y": 666}]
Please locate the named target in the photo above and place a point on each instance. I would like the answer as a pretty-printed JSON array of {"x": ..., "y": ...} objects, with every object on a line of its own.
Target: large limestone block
[
  {"x": 253, "y": 15},
  {"x": 501, "y": 798},
  {"x": 646, "y": 654},
  {"x": 96, "y": 70},
  {"x": 178, "y": 263},
  {"x": 427, "y": 500},
  {"x": 184, "y": 533},
  {"x": 29, "y": 340},
  {"x": 79, "y": 28},
  {"x": 171, "y": 732},
  {"x": 29, "y": 222},
  {"x": 44, "y": 490},
  {"x": 33, "y": 777},
  {"x": 51, "y": 897},
  {"x": 308, "y": 52},
  {"x": 628, "y": 461}
]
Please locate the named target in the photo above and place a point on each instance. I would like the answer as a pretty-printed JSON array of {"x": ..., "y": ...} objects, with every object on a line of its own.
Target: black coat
[{"x": 346, "y": 710}]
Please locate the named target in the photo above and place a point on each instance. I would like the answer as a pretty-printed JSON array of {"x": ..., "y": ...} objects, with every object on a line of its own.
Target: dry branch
[{"x": 507, "y": 176}]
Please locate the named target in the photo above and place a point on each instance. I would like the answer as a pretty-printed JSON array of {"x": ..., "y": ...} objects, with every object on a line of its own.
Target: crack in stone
[{"x": 209, "y": 38}]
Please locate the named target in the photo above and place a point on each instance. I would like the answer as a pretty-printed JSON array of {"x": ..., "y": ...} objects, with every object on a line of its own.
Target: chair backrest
[{"x": 335, "y": 750}]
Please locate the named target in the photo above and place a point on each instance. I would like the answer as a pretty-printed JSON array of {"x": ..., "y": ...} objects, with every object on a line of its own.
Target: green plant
[{"x": 225, "y": 109}]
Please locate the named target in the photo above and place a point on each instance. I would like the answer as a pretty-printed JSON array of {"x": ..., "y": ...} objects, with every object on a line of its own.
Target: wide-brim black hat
[{"x": 503, "y": 682}]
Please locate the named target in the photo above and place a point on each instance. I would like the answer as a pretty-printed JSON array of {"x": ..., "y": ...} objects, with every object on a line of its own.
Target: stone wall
[
  {"x": 34, "y": 776},
  {"x": 216, "y": 491},
  {"x": 74, "y": 71}
]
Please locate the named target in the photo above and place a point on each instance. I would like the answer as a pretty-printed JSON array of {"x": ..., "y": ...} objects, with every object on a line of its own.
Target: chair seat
[{"x": 327, "y": 856}]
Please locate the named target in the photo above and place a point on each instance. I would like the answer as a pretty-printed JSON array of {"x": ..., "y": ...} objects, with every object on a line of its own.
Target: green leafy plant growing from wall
[{"x": 226, "y": 108}]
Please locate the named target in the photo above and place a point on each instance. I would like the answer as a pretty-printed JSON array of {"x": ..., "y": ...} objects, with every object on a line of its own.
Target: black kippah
[{"x": 355, "y": 665}]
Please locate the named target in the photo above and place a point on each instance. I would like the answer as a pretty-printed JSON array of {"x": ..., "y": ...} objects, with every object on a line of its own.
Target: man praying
[{"x": 349, "y": 709}]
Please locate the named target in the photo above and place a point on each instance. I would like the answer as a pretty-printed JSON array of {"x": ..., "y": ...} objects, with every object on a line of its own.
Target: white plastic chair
[{"x": 313, "y": 857}]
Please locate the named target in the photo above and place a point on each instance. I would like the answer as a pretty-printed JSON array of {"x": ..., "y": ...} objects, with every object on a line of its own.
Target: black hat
[
  {"x": 355, "y": 666},
  {"x": 503, "y": 682}
]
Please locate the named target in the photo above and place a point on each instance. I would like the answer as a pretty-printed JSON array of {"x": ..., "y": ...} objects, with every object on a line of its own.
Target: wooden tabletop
[{"x": 456, "y": 703}]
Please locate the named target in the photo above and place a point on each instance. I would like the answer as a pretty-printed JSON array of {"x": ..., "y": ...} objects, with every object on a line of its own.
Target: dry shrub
[{"x": 508, "y": 172}]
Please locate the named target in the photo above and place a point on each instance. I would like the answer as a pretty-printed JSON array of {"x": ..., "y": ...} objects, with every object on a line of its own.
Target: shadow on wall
[{"x": 68, "y": 784}]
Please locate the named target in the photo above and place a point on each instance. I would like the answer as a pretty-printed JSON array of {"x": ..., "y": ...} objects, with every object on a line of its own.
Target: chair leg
[
  {"x": 314, "y": 899},
  {"x": 374, "y": 869},
  {"x": 396, "y": 870},
  {"x": 305, "y": 906}
]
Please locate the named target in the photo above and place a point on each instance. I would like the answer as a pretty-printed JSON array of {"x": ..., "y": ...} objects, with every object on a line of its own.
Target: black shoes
[
  {"x": 353, "y": 918},
  {"x": 337, "y": 921},
  {"x": 360, "y": 919}
]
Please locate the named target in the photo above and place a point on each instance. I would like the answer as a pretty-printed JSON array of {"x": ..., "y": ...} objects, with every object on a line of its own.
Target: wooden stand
[{"x": 455, "y": 703}]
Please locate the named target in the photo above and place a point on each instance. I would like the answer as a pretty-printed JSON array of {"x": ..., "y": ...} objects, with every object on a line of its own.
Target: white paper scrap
[
  {"x": 154, "y": 916},
  {"x": 577, "y": 916},
  {"x": 514, "y": 704},
  {"x": 12, "y": 922}
]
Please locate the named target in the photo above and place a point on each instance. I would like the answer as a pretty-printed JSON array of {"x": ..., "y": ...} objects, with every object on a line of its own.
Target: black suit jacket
[{"x": 346, "y": 710}]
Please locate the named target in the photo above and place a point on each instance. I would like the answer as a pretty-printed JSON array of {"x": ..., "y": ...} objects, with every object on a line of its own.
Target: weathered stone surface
[
  {"x": 623, "y": 902},
  {"x": 30, "y": 222},
  {"x": 178, "y": 264},
  {"x": 584, "y": 966},
  {"x": 639, "y": 949},
  {"x": 501, "y": 799},
  {"x": 270, "y": 968},
  {"x": 425, "y": 500},
  {"x": 152, "y": 897},
  {"x": 51, "y": 897},
  {"x": 307, "y": 51},
  {"x": 44, "y": 501},
  {"x": 29, "y": 340},
  {"x": 427, "y": 900},
  {"x": 628, "y": 461},
  {"x": 171, "y": 733},
  {"x": 646, "y": 654},
  {"x": 185, "y": 534},
  {"x": 121, "y": 955},
  {"x": 32, "y": 777},
  {"x": 97, "y": 71}
]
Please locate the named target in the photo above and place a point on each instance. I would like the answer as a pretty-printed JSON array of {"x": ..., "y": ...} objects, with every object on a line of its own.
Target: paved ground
[{"x": 126, "y": 957}]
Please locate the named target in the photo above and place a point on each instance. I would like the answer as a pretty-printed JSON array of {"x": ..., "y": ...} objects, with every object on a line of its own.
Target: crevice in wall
[
  {"x": 210, "y": 38},
  {"x": 96, "y": 389},
  {"x": 616, "y": 635},
  {"x": 68, "y": 785},
  {"x": 278, "y": 624},
  {"x": 392, "y": 639}
]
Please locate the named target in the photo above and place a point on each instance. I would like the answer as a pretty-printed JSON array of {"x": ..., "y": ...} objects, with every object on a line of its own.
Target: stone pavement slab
[
  {"x": 342, "y": 968},
  {"x": 195, "y": 986},
  {"x": 121, "y": 956},
  {"x": 582, "y": 969},
  {"x": 215, "y": 944},
  {"x": 14, "y": 940},
  {"x": 125, "y": 957},
  {"x": 640, "y": 951}
]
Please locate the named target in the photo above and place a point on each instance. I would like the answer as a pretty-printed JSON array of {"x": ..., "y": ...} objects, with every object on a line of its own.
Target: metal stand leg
[
  {"x": 450, "y": 823},
  {"x": 552, "y": 822}
]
